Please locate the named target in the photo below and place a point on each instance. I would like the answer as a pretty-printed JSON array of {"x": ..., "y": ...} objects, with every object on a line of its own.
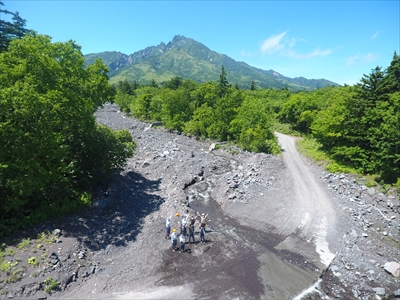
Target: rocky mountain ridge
[{"x": 190, "y": 59}]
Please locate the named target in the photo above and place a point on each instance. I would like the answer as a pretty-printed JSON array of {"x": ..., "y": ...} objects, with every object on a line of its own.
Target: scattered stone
[
  {"x": 397, "y": 293},
  {"x": 379, "y": 291},
  {"x": 392, "y": 268},
  {"x": 371, "y": 191}
]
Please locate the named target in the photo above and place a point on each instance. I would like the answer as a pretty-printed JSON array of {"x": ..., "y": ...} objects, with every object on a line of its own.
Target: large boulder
[{"x": 392, "y": 268}]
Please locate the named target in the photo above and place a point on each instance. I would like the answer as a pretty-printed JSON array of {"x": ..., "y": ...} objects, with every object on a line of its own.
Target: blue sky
[{"x": 336, "y": 40}]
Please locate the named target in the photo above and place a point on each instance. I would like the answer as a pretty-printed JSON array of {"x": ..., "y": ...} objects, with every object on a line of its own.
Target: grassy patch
[
  {"x": 5, "y": 266},
  {"x": 24, "y": 244},
  {"x": 45, "y": 237},
  {"x": 10, "y": 252},
  {"x": 15, "y": 275},
  {"x": 33, "y": 261},
  {"x": 50, "y": 284},
  {"x": 311, "y": 148}
]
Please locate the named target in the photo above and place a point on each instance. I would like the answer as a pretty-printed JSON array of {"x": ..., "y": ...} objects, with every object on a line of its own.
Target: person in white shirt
[
  {"x": 168, "y": 226},
  {"x": 174, "y": 239},
  {"x": 183, "y": 224},
  {"x": 182, "y": 241}
]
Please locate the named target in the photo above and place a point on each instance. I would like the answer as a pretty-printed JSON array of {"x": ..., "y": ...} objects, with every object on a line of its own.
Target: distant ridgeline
[{"x": 189, "y": 59}]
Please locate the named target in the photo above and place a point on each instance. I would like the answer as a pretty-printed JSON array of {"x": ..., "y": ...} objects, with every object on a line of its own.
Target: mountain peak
[
  {"x": 189, "y": 59},
  {"x": 177, "y": 38},
  {"x": 178, "y": 41}
]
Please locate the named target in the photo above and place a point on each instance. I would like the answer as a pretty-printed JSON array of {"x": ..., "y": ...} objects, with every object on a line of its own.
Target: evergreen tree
[
  {"x": 391, "y": 82},
  {"x": 135, "y": 85},
  {"x": 153, "y": 83},
  {"x": 370, "y": 88},
  {"x": 252, "y": 86},
  {"x": 125, "y": 87},
  {"x": 223, "y": 83},
  {"x": 174, "y": 83},
  {"x": 10, "y": 30}
]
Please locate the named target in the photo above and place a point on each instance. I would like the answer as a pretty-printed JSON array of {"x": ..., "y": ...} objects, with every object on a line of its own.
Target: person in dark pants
[
  {"x": 202, "y": 234},
  {"x": 191, "y": 232},
  {"x": 182, "y": 241},
  {"x": 203, "y": 218},
  {"x": 183, "y": 224},
  {"x": 192, "y": 220},
  {"x": 168, "y": 226}
]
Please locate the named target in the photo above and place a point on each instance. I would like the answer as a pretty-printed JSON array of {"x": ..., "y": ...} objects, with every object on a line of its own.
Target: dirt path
[{"x": 312, "y": 214}]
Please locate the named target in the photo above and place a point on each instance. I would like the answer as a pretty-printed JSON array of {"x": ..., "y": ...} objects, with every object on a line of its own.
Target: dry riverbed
[{"x": 278, "y": 228}]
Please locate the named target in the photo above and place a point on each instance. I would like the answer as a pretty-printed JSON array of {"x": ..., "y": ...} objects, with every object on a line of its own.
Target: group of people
[{"x": 186, "y": 224}]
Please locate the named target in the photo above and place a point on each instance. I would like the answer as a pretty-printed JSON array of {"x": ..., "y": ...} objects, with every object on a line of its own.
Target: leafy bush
[
  {"x": 33, "y": 261},
  {"x": 6, "y": 266},
  {"x": 50, "y": 285}
]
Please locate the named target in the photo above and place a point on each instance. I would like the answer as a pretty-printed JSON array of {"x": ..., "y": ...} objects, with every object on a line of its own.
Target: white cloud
[
  {"x": 245, "y": 53},
  {"x": 316, "y": 53},
  {"x": 375, "y": 35},
  {"x": 360, "y": 59},
  {"x": 273, "y": 44},
  {"x": 284, "y": 46}
]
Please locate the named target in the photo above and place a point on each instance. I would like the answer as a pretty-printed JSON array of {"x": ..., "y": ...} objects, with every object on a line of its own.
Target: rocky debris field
[
  {"x": 117, "y": 249},
  {"x": 368, "y": 261}
]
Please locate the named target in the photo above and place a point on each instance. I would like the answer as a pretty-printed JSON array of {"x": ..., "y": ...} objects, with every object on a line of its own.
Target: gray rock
[
  {"x": 353, "y": 233},
  {"x": 335, "y": 268},
  {"x": 397, "y": 293},
  {"x": 232, "y": 196},
  {"x": 155, "y": 124},
  {"x": 379, "y": 291},
  {"x": 392, "y": 268}
]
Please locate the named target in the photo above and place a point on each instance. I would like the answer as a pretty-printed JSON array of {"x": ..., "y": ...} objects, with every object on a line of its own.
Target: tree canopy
[{"x": 53, "y": 151}]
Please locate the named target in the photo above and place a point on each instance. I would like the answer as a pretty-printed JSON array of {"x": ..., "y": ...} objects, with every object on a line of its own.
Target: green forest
[
  {"x": 358, "y": 127},
  {"x": 53, "y": 153}
]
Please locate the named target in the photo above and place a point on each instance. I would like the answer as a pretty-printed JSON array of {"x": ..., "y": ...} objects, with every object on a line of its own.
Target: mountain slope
[{"x": 189, "y": 59}]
